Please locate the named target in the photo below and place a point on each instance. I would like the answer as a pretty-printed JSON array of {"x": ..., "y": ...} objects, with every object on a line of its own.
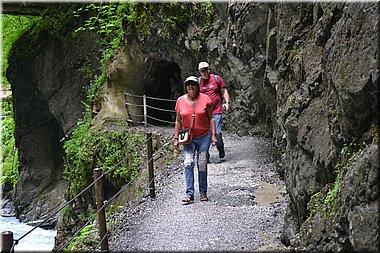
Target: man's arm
[
  {"x": 213, "y": 125},
  {"x": 226, "y": 97}
]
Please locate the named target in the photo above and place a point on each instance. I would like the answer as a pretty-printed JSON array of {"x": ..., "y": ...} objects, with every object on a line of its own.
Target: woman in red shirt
[{"x": 202, "y": 135}]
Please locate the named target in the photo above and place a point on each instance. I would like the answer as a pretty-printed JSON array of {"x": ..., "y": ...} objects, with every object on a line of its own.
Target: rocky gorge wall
[
  {"x": 327, "y": 94},
  {"x": 305, "y": 74},
  {"x": 49, "y": 84}
]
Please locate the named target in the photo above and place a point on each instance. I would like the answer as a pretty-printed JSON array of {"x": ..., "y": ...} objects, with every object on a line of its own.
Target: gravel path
[{"x": 245, "y": 211}]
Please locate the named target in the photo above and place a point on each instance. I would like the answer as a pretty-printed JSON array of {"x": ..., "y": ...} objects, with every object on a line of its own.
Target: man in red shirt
[{"x": 213, "y": 86}]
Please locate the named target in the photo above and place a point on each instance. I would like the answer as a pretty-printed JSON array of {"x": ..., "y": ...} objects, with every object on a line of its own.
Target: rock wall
[
  {"x": 326, "y": 91},
  {"x": 48, "y": 86}
]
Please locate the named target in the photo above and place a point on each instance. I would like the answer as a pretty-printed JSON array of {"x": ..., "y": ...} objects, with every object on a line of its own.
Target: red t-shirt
[
  {"x": 211, "y": 88},
  {"x": 202, "y": 122}
]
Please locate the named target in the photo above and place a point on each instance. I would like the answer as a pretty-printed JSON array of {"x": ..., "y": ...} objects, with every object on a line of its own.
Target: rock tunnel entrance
[{"x": 163, "y": 83}]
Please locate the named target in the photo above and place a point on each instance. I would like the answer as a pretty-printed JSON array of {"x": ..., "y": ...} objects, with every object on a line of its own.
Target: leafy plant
[
  {"x": 116, "y": 152},
  {"x": 88, "y": 238},
  {"x": 105, "y": 19},
  {"x": 331, "y": 196},
  {"x": 13, "y": 27},
  {"x": 9, "y": 154}
]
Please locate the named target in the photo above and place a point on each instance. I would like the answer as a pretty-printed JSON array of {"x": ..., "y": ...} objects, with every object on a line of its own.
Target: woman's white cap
[{"x": 191, "y": 78}]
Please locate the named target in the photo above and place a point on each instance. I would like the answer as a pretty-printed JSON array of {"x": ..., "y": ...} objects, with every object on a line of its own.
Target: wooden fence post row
[
  {"x": 99, "y": 194},
  {"x": 7, "y": 236}
]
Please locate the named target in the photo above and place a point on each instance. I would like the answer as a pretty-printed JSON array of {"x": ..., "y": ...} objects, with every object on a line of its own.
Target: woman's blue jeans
[{"x": 196, "y": 151}]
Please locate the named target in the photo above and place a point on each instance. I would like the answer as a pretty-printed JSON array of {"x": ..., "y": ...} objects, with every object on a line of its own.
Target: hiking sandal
[
  {"x": 188, "y": 198},
  {"x": 204, "y": 197}
]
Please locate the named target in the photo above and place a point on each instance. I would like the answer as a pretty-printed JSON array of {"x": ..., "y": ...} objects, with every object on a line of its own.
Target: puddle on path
[{"x": 268, "y": 193}]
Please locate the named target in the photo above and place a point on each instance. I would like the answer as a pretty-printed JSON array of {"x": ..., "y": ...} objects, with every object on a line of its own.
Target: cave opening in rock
[{"x": 163, "y": 83}]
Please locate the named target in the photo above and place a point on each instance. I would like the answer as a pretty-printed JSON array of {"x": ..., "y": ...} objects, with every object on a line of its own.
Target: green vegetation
[
  {"x": 141, "y": 15},
  {"x": 116, "y": 152},
  {"x": 326, "y": 198},
  {"x": 106, "y": 20},
  {"x": 13, "y": 27},
  {"x": 179, "y": 14},
  {"x": 88, "y": 238},
  {"x": 331, "y": 195},
  {"x": 88, "y": 148},
  {"x": 9, "y": 165}
]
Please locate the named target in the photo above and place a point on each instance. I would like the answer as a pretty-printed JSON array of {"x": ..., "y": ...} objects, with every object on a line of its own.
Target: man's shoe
[{"x": 221, "y": 153}]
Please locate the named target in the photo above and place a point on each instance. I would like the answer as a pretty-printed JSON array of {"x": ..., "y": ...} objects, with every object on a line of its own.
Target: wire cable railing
[
  {"x": 145, "y": 186},
  {"x": 140, "y": 149},
  {"x": 106, "y": 202},
  {"x": 132, "y": 107}
]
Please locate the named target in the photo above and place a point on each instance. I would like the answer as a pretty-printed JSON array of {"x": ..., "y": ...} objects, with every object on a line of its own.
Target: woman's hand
[
  {"x": 214, "y": 139},
  {"x": 176, "y": 145}
]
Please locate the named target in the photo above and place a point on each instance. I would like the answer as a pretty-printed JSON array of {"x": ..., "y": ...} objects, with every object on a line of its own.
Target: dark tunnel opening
[{"x": 164, "y": 86}]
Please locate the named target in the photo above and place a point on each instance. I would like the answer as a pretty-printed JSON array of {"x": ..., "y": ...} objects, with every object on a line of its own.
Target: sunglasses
[
  {"x": 191, "y": 83},
  {"x": 204, "y": 69}
]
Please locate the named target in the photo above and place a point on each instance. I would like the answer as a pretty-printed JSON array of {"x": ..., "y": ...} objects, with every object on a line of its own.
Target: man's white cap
[
  {"x": 202, "y": 65},
  {"x": 191, "y": 78}
]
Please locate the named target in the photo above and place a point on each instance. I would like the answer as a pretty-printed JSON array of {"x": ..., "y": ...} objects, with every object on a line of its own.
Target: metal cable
[
  {"x": 59, "y": 209},
  {"x": 92, "y": 183},
  {"x": 133, "y": 95},
  {"x": 162, "y": 99},
  {"x": 76, "y": 196},
  {"x": 133, "y": 104},
  {"x": 72, "y": 238},
  {"x": 145, "y": 186},
  {"x": 159, "y": 109},
  {"x": 134, "y": 114},
  {"x": 121, "y": 190},
  {"x": 138, "y": 122},
  {"x": 161, "y": 120}
]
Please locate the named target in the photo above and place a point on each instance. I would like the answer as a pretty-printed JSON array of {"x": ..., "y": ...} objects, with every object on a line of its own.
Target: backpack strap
[{"x": 216, "y": 77}]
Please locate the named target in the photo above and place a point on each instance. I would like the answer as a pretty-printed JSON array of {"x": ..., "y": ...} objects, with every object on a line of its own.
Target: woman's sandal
[
  {"x": 204, "y": 198},
  {"x": 188, "y": 198}
]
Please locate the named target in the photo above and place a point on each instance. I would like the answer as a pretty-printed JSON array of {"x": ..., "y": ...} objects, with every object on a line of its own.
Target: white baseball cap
[
  {"x": 203, "y": 64},
  {"x": 191, "y": 78}
]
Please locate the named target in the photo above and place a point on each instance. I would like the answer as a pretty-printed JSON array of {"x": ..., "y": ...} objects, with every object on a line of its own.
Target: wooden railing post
[
  {"x": 101, "y": 214},
  {"x": 152, "y": 192},
  {"x": 6, "y": 241}
]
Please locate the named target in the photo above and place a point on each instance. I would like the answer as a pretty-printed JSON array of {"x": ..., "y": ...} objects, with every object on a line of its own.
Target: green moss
[
  {"x": 13, "y": 27},
  {"x": 325, "y": 200},
  {"x": 329, "y": 202}
]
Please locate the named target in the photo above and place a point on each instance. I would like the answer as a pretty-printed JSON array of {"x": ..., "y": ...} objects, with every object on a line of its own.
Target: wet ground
[{"x": 245, "y": 211}]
